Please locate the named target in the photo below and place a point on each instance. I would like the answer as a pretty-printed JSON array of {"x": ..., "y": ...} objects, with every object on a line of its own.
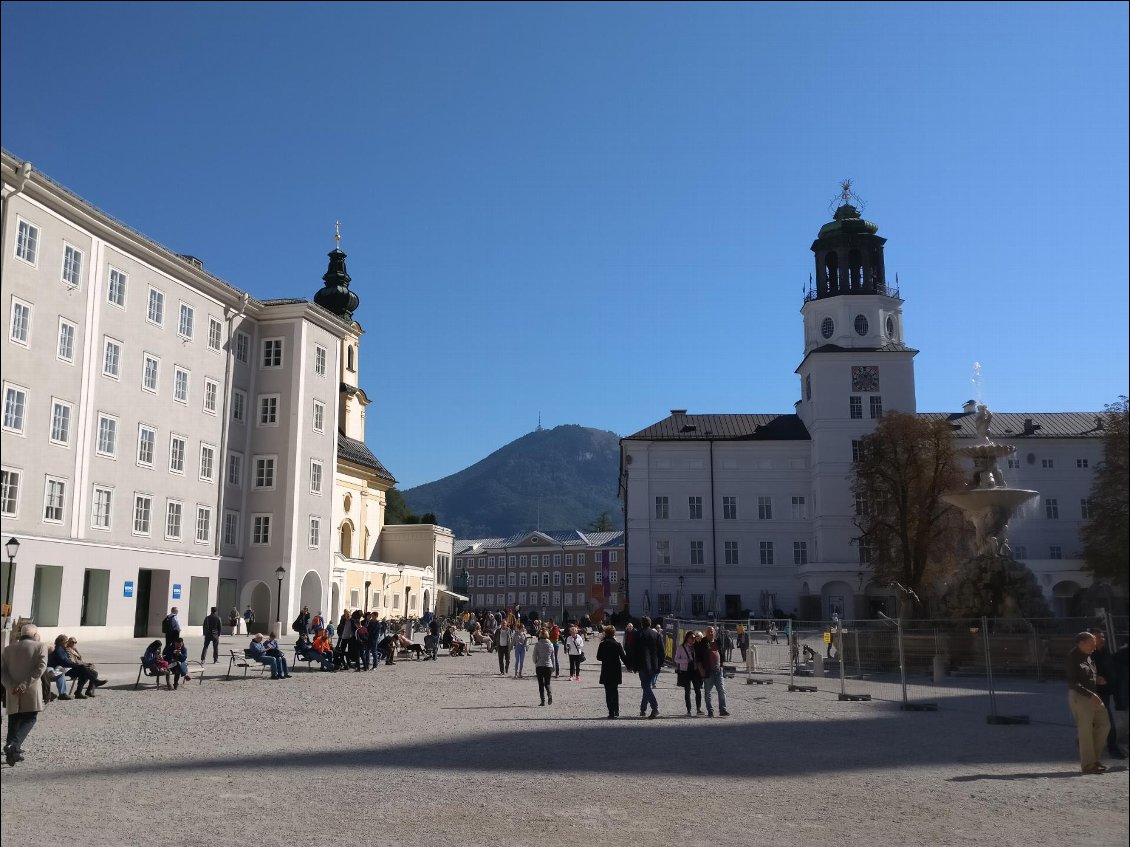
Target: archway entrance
[
  {"x": 311, "y": 594},
  {"x": 335, "y": 602},
  {"x": 258, "y": 596}
]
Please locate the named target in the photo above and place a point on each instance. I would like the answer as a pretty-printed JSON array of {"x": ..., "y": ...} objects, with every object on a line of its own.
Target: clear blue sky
[{"x": 600, "y": 212}]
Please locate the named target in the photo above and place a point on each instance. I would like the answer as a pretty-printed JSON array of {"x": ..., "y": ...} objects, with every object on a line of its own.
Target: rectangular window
[
  {"x": 211, "y": 396},
  {"x": 101, "y": 508},
  {"x": 855, "y": 407},
  {"x": 1082, "y": 463},
  {"x": 174, "y": 516},
  {"x": 207, "y": 462},
  {"x": 1047, "y": 463},
  {"x": 580, "y": 558},
  {"x": 663, "y": 552},
  {"x": 800, "y": 508},
  {"x": 27, "y": 242},
  {"x": 765, "y": 508},
  {"x": 1020, "y": 552},
  {"x": 151, "y": 373},
  {"x": 800, "y": 552},
  {"x": 9, "y": 492},
  {"x": 156, "y": 312},
  {"x": 15, "y": 407},
  {"x": 20, "y": 327},
  {"x": 146, "y": 445},
  {"x": 54, "y": 494},
  {"x": 66, "y": 349},
  {"x": 1013, "y": 463},
  {"x": 269, "y": 410},
  {"x": 597, "y": 578},
  {"x": 238, "y": 406},
  {"x": 203, "y": 524},
  {"x": 698, "y": 604},
  {"x": 766, "y": 548},
  {"x": 265, "y": 472},
  {"x": 865, "y": 553},
  {"x": 490, "y": 580},
  {"x": 876, "y": 406},
  {"x": 319, "y": 416},
  {"x": 235, "y": 469},
  {"x": 72, "y": 266},
  {"x": 1051, "y": 508},
  {"x": 697, "y": 553},
  {"x": 260, "y": 529},
  {"x": 180, "y": 385},
  {"x": 580, "y": 579},
  {"x": 522, "y": 560},
  {"x": 320, "y": 360},
  {"x": 613, "y": 576},
  {"x": 730, "y": 508},
  {"x": 569, "y": 578},
  {"x": 490, "y": 562},
  {"x": 107, "y": 435},
  {"x": 60, "y": 423},
  {"x": 142, "y": 513},
  {"x": 568, "y": 560},
  {"x": 856, "y": 450},
  {"x": 557, "y": 560},
  {"x": 272, "y": 352},
  {"x": 694, "y": 508},
  {"x": 177, "y": 445},
  {"x": 731, "y": 552},
  {"x": 242, "y": 347},
  {"x": 112, "y": 359},
  {"x": 661, "y": 509},
  {"x": 1085, "y": 508},
  {"x": 116, "y": 292},
  {"x": 215, "y": 334},
  {"x": 187, "y": 321},
  {"x": 231, "y": 528},
  {"x": 862, "y": 507},
  {"x": 1055, "y": 552},
  {"x": 315, "y": 538},
  {"x": 315, "y": 477},
  {"x": 521, "y": 580}
]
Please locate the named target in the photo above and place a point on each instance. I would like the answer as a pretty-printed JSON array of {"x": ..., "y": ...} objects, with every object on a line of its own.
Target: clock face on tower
[{"x": 865, "y": 378}]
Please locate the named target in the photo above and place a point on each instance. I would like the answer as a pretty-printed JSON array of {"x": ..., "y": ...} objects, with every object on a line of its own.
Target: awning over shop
[{"x": 462, "y": 598}]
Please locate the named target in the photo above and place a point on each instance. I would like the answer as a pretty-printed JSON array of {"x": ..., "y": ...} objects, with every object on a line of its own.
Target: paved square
[{"x": 449, "y": 752}]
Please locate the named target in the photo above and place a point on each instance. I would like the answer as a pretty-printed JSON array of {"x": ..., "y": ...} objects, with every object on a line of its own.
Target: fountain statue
[{"x": 987, "y": 501}]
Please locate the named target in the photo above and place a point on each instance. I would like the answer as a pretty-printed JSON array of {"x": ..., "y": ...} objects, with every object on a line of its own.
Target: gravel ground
[{"x": 449, "y": 752}]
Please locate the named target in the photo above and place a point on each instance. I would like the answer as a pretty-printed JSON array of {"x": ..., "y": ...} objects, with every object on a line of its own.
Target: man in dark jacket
[
  {"x": 212, "y": 625},
  {"x": 708, "y": 660},
  {"x": 646, "y": 658},
  {"x": 1105, "y": 668}
]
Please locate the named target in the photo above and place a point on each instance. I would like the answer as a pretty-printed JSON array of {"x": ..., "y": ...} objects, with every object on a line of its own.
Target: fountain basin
[{"x": 976, "y": 499}]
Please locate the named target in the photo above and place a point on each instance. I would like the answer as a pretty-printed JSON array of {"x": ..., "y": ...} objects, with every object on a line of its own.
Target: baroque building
[{"x": 729, "y": 513}]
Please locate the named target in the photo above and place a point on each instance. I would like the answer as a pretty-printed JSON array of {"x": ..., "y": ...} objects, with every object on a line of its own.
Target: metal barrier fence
[{"x": 1010, "y": 670}]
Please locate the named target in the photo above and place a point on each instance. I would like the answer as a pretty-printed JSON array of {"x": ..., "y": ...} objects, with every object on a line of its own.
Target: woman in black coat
[{"x": 611, "y": 656}]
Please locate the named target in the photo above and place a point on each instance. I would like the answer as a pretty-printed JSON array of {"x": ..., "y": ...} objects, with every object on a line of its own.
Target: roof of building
[
  {"x": 352, "y": 450},
  {"x": 1009, "y": 425},
  {"x": 684, "y": 427},
  {"x": 561, "y": 537},
  {"x": 283, "y": 301}
]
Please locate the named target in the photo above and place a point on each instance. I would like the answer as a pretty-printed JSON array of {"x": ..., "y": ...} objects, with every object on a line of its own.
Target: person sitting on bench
[
  {"x": 176, "y": 655},
  {"x": 156, "y": 665},
  {"x": 310, "y": 653},
  {"x": 277, "y": 664}
]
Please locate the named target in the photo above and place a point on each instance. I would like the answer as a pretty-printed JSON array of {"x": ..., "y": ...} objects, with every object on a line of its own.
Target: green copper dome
[{"x": 848, "y": 221}]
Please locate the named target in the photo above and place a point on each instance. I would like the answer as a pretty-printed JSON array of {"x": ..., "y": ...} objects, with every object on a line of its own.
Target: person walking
[
  {"x": 646, "y": 658},
  {"x": 212, "y": 626},
  {"x": 611, "y": 656},
  {"x": 170, "y": 626},
  {"x": 575, "y": 650},
  {"x": 503, "y": 644},
  {"x": 708, "y": 658},
  {"x": 543, "y": 666},
  {"x": 21, "y": 673},
  {"x": 519, "y": 639},
  {"x": 1107, "y": 672},
  {"x": 687, "y": 675},
  {"x": 1087, "y": 707},
  {"x": 555, "y": 637}
]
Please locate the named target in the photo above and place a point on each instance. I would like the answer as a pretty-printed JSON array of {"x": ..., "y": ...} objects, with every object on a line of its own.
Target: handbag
[{"x": 581, "y": 657}]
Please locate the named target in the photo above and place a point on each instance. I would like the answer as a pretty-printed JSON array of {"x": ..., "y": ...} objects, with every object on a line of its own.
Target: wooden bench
[{"x": 246, "y": 661}]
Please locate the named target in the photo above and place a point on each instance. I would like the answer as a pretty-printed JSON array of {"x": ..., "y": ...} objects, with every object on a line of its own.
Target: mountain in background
[{"x": 567, "y": 475}]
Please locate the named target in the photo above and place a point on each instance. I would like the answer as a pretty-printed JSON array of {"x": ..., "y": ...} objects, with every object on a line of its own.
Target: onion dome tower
[
  {"x": 335, "y": 296},
  {"x": 849, "y": 253}
]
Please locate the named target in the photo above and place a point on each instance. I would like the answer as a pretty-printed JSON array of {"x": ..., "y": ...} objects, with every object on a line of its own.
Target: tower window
[
  {"x": 855, "y": 407},
  {"x": 861, "y": 325},
  {"x": 350, "y": 363},
  {"x": 827, "y": 327},
  {"x": 890, "y": 327}
]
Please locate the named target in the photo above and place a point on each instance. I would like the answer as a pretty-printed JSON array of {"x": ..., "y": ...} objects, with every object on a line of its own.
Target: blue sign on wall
[
  {"x": 127, "y": 589},
  {"x": 176, "y": 591}
]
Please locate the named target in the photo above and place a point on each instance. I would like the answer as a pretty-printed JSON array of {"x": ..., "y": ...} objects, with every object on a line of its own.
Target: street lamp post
[
  {"x": 280, "y": 572},
  {"x": 12, "y": 547},
  {"x": 367, "y": 584}
]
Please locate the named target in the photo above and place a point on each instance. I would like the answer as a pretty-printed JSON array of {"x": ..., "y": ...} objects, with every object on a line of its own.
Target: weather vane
[
  {"x": 337, "y": 235},
  {"x": 846, "y": 197}
]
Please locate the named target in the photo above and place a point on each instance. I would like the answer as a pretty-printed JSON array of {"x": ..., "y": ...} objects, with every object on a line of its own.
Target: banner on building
[{"x": 605, "y": 581}]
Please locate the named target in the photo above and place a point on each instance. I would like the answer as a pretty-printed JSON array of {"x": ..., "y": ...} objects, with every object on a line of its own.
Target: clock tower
[{"x": 856, "y": 366}]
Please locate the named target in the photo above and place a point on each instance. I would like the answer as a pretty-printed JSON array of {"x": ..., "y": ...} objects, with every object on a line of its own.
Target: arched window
[
  {"x": 350, "y": 364},
  {"x": 831, "y": 273},
  {"x": 855, "y": 271},
  {"x": 347, "y": 540}
]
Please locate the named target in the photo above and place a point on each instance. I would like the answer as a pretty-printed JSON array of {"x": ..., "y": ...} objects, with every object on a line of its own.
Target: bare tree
[{"x": 1105, "y": 537}]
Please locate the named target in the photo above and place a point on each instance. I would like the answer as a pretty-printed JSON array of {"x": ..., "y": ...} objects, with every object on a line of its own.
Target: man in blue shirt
[{"x": 259, "y": 653}]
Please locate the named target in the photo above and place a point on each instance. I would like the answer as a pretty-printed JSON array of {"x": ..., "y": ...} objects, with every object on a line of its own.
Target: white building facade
[{"x": 733, "y": 513}]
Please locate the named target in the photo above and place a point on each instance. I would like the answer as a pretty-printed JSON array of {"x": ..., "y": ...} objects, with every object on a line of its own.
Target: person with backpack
[
  {"x": 212, "y": 626},
  {"x": 301, "y": 625},
  {"x": 361, "y": 637},
  {"x": 170, "y": 627}
]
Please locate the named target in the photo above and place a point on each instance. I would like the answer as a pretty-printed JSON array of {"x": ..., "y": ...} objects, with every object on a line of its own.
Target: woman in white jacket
[{"x": 575, "y": 650}]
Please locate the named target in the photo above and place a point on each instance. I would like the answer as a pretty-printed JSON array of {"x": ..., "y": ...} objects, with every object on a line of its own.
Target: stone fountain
[{"x": 987, "y": 501}]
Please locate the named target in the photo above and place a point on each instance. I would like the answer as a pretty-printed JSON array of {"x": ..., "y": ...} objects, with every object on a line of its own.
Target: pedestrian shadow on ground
[{"x": 977, "y": 777}]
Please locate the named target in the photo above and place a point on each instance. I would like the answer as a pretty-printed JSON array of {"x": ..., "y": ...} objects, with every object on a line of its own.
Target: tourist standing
[
  {"x": 575, "y": 650},
  {"x": 708, "y": 658},
  {"x": 543, "y": 666},
  {"x": 212, "y": 626},
  {"x": 21, "y": 672},
  {"x": 234, "y": 617},
  {"x": 503, "y": 644},
  {"x": 611, "y": 657},
  {"x": 1108, "y": 681},
  {"x": 1086, "y": 705},
  {"x": 519, "y": 651},
  {"x": 646, "y": 658},
  {"x": 170, "y": 626},
  {"x": 686, "y": 673},
  {"x": 555, "y": 637}
]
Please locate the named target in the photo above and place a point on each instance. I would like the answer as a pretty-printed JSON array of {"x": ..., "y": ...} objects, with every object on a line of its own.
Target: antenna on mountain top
[{"x": 539, "y": 429}]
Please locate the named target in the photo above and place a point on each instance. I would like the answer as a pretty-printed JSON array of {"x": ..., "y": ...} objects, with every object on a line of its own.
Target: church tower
[{"x": 856, "y": 367}]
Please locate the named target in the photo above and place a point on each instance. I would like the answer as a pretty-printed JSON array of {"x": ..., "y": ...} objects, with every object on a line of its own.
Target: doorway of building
[
  {"x": 141, "y": 609},
  {"x": 733, "y": 606}
]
